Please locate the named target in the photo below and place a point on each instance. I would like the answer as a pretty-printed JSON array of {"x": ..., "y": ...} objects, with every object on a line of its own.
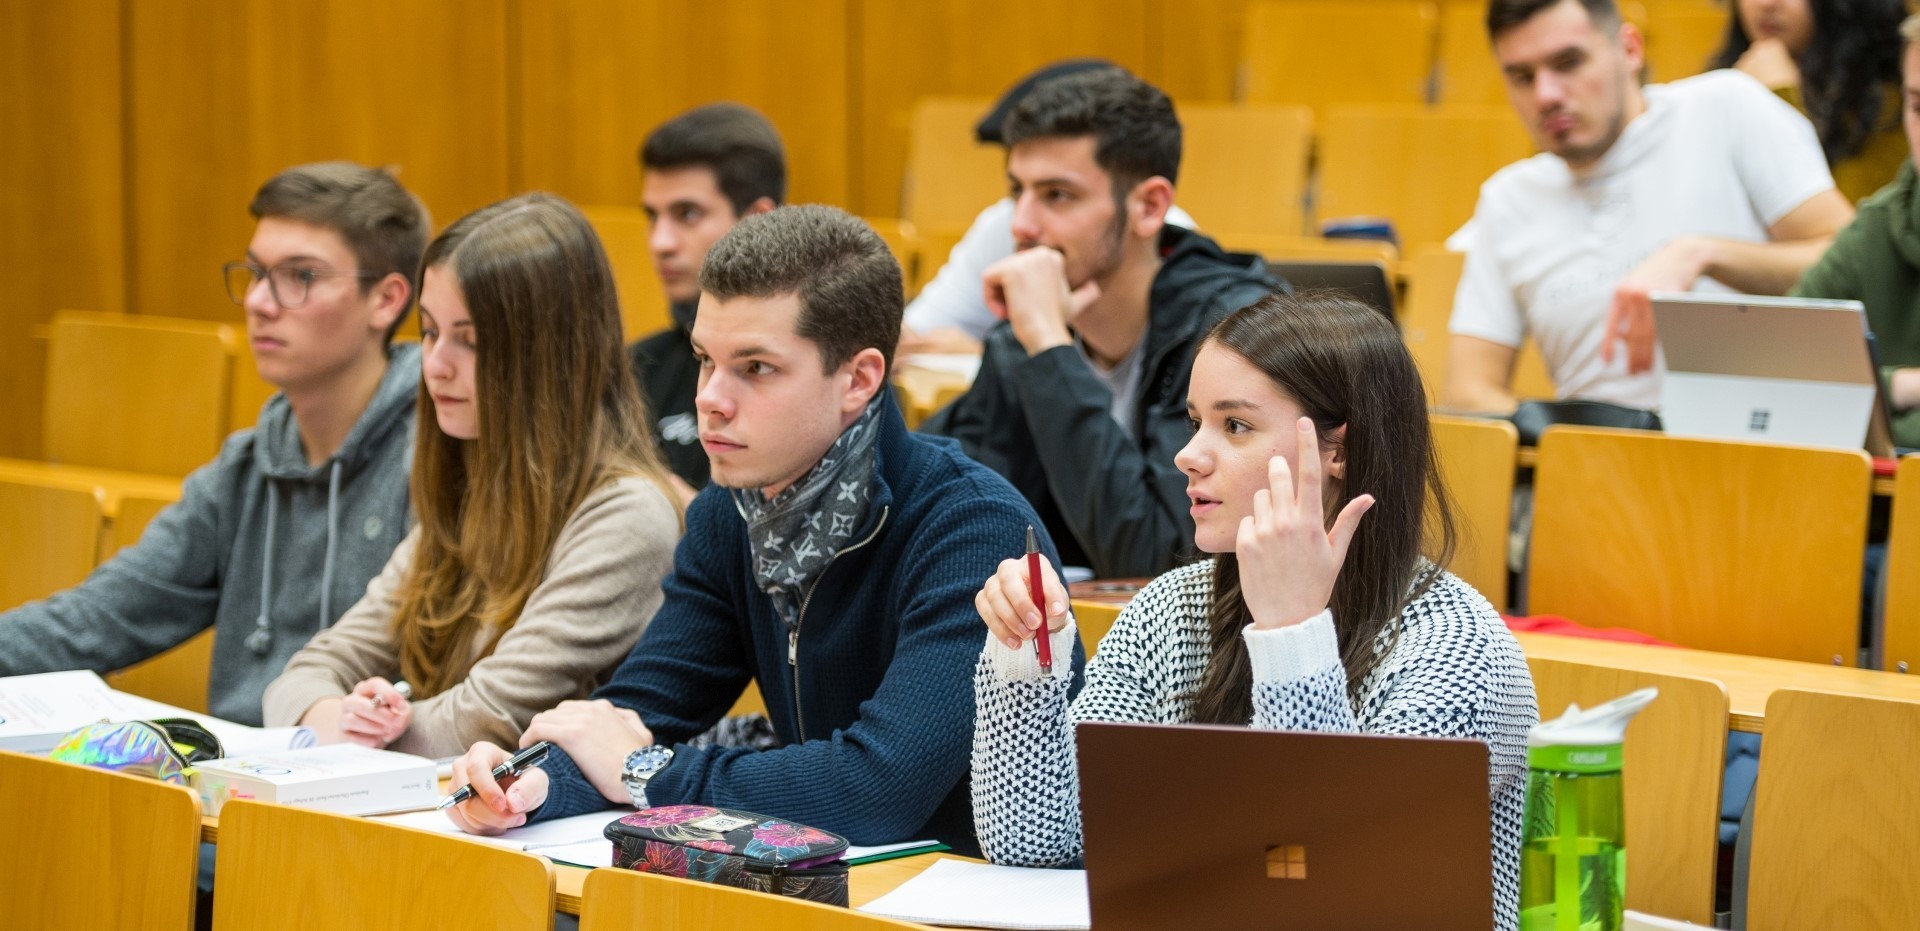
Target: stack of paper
[
  {"x": 858, "y": 855},
  {"x": 36, "y": 711},
  {"x": 981, "y": 895}
]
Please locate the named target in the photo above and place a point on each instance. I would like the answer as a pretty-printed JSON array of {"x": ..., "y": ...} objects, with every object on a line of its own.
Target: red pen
[{"x": 1038, "y": 589}]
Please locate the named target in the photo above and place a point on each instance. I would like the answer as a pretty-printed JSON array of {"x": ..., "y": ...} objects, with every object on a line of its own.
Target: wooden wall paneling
[
  {"x": 965, "y": 48},
  {"x": 595, "y": 76},
  {"x": 61, "y": 229},
  {"x": 224, "y": 93}
]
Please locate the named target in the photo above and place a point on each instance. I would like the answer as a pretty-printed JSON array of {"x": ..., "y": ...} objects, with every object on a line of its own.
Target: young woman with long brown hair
[
  {"x": 1316, "y": 611},
  {"x": 545, "y": 518}
]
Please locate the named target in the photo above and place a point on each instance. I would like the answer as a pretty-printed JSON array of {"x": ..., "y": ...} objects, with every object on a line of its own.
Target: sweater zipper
[{"x": 793, "y": 633}]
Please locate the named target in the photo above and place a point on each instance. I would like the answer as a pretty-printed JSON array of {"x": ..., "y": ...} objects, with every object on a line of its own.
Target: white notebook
[
  {"x": 37, "y": 710},
  {"x": 981, "y": 895},
  {"x": 560, "y": 832}
]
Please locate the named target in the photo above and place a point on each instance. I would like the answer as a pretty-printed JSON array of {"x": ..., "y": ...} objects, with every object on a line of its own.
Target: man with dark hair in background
[
  {"x": 700, "y": 173},
  {"x": 950, "y": 315},
  {"x": 1081, "y": 397}
]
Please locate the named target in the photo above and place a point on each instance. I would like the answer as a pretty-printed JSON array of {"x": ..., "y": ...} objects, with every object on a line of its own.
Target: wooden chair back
[
  {"x": 96, "y": 849},
  {"x": 49, "y": 538},
  {"x": 1477, "y": 463},
  {"x": 1900, "y": 649},
  {"x": 1675, "y": 751},
  {"x": 1465, "y": 71},
  {"x": 250, "y": 391},
  {"x": 101, "y": 406},
  {"x": 1433, "y": 275},
  {"x": 931, "y": 250},
  {"x": 903, "y": 241},
  {"x": 950, "y": 176},
  {"x": 1094, "y": 619},
  {"x": 179, "y": 676},
  {"x": 1834, "y": 844},
  {"x": 284, "y": 867},
  {"x": 615, "y": 900},
  {"x": 1243, "y": 167},
  {"x": 1420, "y": 167},
  {"x": 623, "y": 233},
  {"x": 1717, "y": 545},
  {"x": 1681, "y": 37},
  {"x": 1304, "y": 51},
  {"x": 1433, "y": 278}
]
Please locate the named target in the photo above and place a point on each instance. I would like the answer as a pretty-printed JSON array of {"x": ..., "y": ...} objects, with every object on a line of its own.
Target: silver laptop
[{"x": 1783, "y": 370}]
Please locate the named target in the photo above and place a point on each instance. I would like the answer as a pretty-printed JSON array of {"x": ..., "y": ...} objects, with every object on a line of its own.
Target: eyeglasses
[{"x": 288, "y": 283}]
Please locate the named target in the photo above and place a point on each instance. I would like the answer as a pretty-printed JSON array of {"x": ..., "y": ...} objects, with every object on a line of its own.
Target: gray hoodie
[{"x": 261, "y": 546}]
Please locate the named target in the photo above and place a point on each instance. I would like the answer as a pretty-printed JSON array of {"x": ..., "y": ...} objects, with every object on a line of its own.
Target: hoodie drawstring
[
  {"x": 261, "y": 640},
  {"x": 333, "y": 536}
]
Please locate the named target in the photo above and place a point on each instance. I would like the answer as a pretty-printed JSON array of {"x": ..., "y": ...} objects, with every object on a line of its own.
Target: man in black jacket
[
  {"x": 1081, "y": 397},
  {"x": 701, "y": 172}
]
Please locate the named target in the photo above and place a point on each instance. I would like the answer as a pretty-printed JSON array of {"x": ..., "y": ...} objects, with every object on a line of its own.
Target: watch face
[{"x": 647, "y": 760}]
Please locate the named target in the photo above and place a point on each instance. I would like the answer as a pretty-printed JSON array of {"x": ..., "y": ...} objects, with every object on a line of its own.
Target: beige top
[{"x": 601, "y": 588}]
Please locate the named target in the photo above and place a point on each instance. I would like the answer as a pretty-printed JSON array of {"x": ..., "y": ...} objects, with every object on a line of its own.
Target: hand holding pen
[
  {"x": 1037, "y": 596},
  {"x": 496, "y": 789},
  {"x": 1006, "y": 603},
  {"x": 376, "y": 712}
]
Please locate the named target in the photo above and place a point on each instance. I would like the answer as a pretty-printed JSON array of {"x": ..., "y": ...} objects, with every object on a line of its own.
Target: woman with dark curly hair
[{"x": 1837, "y": 61}]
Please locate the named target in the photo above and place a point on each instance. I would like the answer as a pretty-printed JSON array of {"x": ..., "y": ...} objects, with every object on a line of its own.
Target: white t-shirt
[
  {"x": 1714, "y": 155},
  {"x": 955, "y": 298}
]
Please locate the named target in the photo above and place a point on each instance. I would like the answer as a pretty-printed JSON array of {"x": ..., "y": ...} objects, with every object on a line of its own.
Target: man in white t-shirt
[{"x": 1710, "y": 183}]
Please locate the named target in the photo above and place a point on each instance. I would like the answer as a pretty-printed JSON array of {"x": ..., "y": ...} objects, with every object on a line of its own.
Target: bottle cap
[{"x": 1586, "y": 740}]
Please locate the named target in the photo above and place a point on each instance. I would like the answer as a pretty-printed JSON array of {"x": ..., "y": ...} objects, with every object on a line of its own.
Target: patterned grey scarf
[{"x": 794, "y": 535}]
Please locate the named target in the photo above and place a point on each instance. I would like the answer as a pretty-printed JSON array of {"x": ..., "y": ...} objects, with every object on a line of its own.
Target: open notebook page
[{"x": 981, "y": 895}]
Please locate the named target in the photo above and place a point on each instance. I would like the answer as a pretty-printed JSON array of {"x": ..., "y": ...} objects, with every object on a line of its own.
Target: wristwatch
[{"x": 641, "y": 766}]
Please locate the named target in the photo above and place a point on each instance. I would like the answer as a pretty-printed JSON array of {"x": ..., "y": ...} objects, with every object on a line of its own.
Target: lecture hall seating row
[{"x": 1829, "y": 836}]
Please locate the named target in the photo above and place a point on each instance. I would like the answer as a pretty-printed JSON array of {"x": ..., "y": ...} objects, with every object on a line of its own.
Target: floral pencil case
[{"x": 733, "y": 848}]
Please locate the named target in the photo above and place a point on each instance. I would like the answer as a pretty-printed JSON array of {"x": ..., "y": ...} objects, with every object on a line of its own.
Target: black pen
[{"x": 514, "y": 766}]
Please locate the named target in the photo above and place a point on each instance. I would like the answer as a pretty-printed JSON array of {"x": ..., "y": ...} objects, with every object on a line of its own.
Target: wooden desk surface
[{"x": 1750, "y": 680}]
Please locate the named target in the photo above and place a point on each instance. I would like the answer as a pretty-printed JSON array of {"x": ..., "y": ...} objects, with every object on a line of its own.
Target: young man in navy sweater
[{"x": 834, "y": 560}]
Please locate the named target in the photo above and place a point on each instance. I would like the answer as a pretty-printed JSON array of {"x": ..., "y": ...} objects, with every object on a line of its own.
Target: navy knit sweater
[{"x": 875, "y": 713}]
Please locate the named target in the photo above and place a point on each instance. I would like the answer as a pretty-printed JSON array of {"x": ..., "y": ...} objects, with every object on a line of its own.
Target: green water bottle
[{"x": 1573, "y": 858}]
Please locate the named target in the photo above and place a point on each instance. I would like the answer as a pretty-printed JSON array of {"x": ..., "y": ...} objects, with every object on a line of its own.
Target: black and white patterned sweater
[{"x": 1455, "y": 672}]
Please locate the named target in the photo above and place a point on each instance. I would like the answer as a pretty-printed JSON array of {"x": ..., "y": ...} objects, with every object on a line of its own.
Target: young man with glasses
[{"x": 279, "y": 535}]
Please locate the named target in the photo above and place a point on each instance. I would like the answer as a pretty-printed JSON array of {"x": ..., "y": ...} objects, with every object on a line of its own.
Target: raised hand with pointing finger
[{"x": 1288, "y": 555}]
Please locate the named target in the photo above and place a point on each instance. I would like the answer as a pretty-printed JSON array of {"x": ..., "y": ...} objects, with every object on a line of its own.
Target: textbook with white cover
[
  {"x": 344, "y": 778},
  {"x": 37, "y": 710}
]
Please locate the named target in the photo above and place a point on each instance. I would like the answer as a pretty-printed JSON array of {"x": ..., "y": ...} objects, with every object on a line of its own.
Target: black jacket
[
  {"x": 1113, "y": 503},
  {"x": 663, "y": 365}
]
